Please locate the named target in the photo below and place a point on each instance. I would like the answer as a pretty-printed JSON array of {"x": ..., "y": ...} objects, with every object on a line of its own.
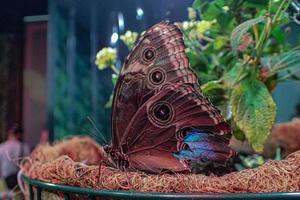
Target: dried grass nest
[{"x": 75, "y": 162}]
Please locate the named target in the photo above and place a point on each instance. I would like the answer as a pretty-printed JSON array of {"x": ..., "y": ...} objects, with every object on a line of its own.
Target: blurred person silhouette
[
  {"x": 10, "y": 151},
  {"x": 44, "y": 137}
]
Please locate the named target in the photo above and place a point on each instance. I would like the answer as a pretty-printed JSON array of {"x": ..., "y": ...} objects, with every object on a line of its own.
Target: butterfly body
[
  {"x": 116, "y": 158},
  {"x": 158, "y": 110}
]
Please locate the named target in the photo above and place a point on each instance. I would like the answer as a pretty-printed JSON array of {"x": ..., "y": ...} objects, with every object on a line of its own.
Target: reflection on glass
[
  {"x": 121, "y": 21},
  {"x": 114, "y": 38},
  {"x": 139, "y": 13}
]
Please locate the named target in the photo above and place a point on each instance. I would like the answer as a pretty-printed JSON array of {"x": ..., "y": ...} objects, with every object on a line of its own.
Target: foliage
[
  {"x": 241, "y": 55},
  {"x": 238, "y": 33},
  {"x": 251, "y": 161},
  {"x": 239, "y": 50},
  {"x": 253, "y": 111},
  {"x": 255, "y": 160}
]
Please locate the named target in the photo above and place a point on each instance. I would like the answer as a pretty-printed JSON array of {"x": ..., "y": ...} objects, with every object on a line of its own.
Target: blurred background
[{"x": 49, "y": 80}]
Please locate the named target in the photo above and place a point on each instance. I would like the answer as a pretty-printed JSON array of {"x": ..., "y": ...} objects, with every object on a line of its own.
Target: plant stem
[
  {"x": 208, "y": 39},
  {"x": 270, "y": 23},
  {"x": 282, "y": 7},
  {"x": 270, "y": 6},
  {"x": 255, "y": 31},
  {"x": 263, "y": 38},
  {"x": 113, "y": 67}
]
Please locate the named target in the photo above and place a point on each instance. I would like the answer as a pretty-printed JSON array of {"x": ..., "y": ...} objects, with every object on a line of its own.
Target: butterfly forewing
[{"x": 157, "y": 59}]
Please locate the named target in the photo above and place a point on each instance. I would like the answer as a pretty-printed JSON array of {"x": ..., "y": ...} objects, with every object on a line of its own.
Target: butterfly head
[{"x": 116, "y": 158}]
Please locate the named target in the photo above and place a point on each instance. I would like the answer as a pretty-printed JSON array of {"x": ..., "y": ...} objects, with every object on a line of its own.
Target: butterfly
[{"x": 160, "y": 119}]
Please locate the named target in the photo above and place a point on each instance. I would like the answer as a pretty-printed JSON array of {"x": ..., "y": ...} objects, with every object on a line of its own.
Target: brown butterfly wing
[
  {"x": 156, "y": 79},
  {"x": 155, "y": 132},
  {"x": 157, "y": 59}
]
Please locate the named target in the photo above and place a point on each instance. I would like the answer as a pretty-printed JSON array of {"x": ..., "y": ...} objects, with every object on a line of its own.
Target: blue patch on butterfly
[
  {"x": 195, "y": 136},
  {"x": 199, "y": 146}
]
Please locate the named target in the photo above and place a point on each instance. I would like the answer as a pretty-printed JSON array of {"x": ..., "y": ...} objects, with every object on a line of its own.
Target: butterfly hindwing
[{"x": 155, "y": 129}]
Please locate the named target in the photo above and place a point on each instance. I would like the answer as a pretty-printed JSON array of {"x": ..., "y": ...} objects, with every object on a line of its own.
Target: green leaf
[
  {"x": 284, "y": 61},
  {"x": 197, "y": 4},
  {"x": 253, "y": 111},
  {"x": 278, "y": 34},
  {"x": 231, "y": 76},
  {"x": 238, "y": 33},
  {"x": 226, "y": 21},
  {"x": 257, "y": 4},
  {"x": 215, "y": 91},
  {"x": 211, "y": 12},
  {"x": 220, "y": 42},
  {"x": 212, "y": 85}
]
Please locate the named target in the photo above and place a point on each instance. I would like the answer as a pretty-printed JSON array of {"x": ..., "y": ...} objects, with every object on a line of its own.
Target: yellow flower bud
[
  {"x": 129, "y": 38},
  {"x": 192, "y": 14},
  {"x": 106, "y": 57}
]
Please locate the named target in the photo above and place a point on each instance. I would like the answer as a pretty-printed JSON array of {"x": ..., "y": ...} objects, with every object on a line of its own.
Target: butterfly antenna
[
  {"x": 90, "y": 133},
  {"x": 98, "y": 131}
]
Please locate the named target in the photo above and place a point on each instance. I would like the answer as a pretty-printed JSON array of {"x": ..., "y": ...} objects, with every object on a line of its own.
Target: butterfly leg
[
  {"x": 127, "y": 179},
  {"x": 99, "y": 173}
]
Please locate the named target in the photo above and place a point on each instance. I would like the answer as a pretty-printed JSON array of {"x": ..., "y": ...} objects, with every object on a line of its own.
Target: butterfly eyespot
[
  {"x": 156, "y": 77},
  {"x": 149, "y": 54},
  {"x": 161, "y": 113}
]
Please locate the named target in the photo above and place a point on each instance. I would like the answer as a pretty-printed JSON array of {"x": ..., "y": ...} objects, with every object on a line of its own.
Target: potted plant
[{"x": 240, "y": 51}]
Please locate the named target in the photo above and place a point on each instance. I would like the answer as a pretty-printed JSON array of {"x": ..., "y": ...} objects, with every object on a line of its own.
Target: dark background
[{"x": 12, "y": 58}]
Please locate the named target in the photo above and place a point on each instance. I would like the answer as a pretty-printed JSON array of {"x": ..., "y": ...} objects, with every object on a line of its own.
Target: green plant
[
  {"x": 239, "y": 50},
  {"x": 255, "y": 160}
]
